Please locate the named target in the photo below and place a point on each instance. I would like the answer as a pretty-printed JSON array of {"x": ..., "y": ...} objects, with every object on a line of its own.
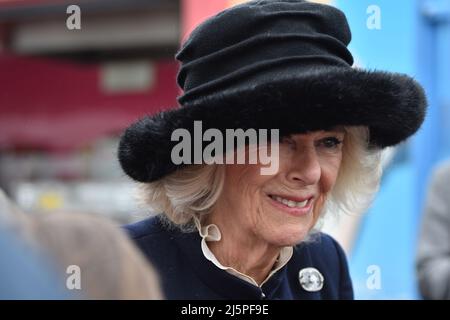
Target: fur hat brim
[{"x": 391, "y": 105}]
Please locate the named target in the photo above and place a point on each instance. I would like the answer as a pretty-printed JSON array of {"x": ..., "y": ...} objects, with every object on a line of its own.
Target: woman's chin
[
  {"x": 289, "y": 233},
  {"x": 291, "y": 237}
]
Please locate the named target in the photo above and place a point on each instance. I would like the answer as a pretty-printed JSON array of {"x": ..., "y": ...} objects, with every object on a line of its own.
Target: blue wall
[{"x": 387, "y": 238}]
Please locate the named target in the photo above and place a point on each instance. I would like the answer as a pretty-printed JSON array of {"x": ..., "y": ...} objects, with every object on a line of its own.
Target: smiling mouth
[{"x": 289, "y": 202}]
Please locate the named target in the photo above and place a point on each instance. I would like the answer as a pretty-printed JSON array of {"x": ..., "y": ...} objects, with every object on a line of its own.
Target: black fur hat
[{"x": 274, "y": 64}]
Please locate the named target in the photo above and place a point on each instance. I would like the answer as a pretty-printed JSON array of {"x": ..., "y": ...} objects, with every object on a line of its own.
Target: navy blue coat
[{"x": 186, "y": 274}]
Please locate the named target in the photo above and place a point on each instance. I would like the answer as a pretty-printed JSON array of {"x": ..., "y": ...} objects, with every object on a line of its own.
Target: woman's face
[{"x": 280, "y": 209}]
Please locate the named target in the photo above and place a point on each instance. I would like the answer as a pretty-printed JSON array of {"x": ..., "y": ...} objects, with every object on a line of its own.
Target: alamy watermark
[
  {"x": 223, "y": 149},
  {"x": 373, "y": 21},
  {"x": 373, "y": 281},
  {"x": 73, "y": 21},
  {"x": 73, "y": 281}
]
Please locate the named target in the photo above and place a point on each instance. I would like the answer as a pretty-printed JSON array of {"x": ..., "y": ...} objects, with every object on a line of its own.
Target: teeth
[{"x": 290, "y": 203}]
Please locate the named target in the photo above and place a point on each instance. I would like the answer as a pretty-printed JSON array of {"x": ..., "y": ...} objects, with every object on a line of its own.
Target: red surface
[
  {"x": 58, "y": 105},
  {"x": 196, "y": 11}
]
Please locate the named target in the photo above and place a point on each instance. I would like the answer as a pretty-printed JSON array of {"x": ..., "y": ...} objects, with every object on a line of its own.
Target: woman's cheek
[
  {"x": 318, "y": 206},
  {"x": 330, "y": 170}
]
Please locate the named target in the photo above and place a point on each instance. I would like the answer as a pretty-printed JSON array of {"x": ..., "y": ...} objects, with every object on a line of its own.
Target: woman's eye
[
  {"x": 330, "y": 142},
  {"x": 287, "y": 141}
]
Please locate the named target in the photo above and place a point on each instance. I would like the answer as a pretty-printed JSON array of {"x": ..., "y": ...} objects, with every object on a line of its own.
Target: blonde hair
[{"x": 193, "y": 190}]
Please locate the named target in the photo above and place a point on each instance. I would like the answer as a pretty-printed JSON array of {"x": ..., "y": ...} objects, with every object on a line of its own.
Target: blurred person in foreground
[
  {"x": 433, "y": 255},
  {"x": 110, "y": 267},
  {"x": 228, "y": 231},
  {"x": 23, "y": 273}
]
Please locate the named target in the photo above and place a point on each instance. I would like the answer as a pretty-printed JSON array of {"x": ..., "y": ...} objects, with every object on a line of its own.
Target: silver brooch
[{"x": 310, "y": 279}]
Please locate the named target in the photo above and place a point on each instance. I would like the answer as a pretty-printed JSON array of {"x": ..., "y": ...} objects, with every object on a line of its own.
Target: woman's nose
[{"x": 305, "y": 167}]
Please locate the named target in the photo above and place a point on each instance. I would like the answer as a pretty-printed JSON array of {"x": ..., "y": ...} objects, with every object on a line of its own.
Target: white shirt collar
[{"x": 211, "y": 232}]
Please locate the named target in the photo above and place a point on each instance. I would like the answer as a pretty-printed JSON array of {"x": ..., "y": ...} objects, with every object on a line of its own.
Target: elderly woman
[{"x": 227, "y": 231}]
